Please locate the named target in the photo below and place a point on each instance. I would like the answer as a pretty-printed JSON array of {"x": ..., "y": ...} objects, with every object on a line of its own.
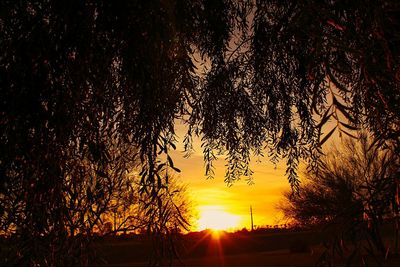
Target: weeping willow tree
[{"x": 248, "y": 77}]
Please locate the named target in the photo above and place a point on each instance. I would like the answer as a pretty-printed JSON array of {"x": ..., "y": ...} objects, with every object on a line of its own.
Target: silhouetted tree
[
  {"x": 164, "y": 218},
  {"x": 352, "y": 194},
  {"x": 129, "y": 211},
  {"x": 244, "y": 75}
]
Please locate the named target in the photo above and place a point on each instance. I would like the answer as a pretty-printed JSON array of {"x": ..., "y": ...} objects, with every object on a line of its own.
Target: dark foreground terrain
[{"x": 264, "y": 248}]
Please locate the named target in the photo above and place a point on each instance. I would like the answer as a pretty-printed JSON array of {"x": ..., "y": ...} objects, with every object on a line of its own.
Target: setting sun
[{"x": 216, "y": 218}]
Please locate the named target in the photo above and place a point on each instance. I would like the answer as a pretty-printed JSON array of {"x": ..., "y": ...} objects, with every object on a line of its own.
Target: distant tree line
[{"x": 93, "y": 89}]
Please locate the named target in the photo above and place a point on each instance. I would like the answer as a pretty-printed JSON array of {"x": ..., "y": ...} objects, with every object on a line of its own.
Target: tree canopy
[{"x": 249, "y": 77}]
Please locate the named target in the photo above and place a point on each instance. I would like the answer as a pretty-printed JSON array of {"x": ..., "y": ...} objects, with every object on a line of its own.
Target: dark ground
[{"x": 264, "y": 248}]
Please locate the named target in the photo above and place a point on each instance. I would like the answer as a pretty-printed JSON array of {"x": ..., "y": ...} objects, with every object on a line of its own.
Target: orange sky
[{"x": 214, "y": 194}]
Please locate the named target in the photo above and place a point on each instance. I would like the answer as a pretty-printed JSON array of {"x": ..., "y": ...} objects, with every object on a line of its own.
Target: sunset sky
[
  {"x": 215, "y": 200},
  {"x": 228, "y": 208},
  {"x": 217, "y": 204}
]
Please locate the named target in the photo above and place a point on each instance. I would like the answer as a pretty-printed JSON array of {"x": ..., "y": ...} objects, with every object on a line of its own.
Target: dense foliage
[{"x": 80, "y": 80}]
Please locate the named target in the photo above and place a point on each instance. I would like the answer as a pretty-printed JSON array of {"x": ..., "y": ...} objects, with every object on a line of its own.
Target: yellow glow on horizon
[
  {"x": 217, "y": 218},
  {"x": 212, "y": 196},
  {"x": 216, "y": 234}
]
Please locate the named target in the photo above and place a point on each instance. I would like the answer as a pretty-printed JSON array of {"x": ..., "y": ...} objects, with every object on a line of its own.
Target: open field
[
  {"x": 292, "y": 249},
  {"x": 277, "y": 258}
]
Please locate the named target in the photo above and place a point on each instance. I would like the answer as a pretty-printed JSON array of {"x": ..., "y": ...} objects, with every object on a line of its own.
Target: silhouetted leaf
[
  {"x": 326, "y": 137},
  {"x": 348, "y": 134},
  {"x": 324, "y": 119},
  {"x": 176, "y": 169},
  {"x": 170, "y": 162},
  {"x": 348, "y": 126}
]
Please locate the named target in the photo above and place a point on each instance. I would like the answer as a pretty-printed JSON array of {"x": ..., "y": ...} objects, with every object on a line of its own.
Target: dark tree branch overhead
[{"x": 79, "y": 77}]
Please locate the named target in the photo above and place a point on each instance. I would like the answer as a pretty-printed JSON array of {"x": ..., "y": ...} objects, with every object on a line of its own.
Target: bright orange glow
[
  {"x": 213, "y": 196},
  {"x": 216, "y": 234},
  {"x": 216, "y": 218}
]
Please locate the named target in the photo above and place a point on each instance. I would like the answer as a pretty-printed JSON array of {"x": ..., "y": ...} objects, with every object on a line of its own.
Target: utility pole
[{"x": 251, "y": 217}]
